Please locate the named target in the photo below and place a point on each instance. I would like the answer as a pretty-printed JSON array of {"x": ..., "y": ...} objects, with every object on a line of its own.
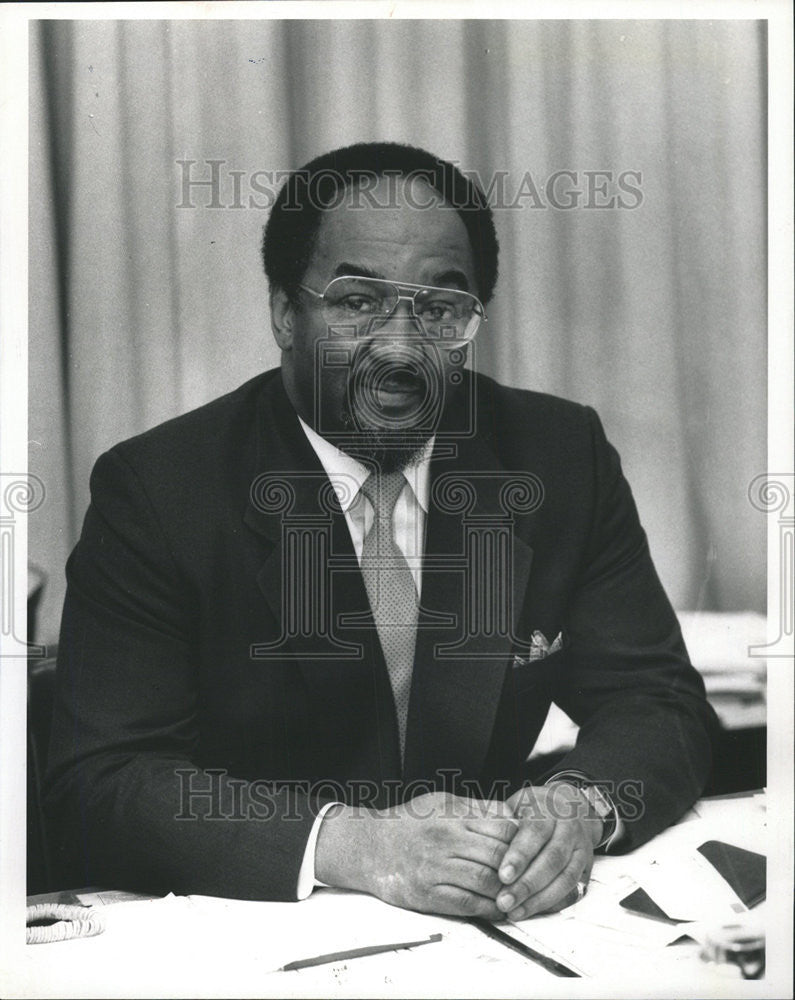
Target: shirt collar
[{"x": 344, "y": 471}]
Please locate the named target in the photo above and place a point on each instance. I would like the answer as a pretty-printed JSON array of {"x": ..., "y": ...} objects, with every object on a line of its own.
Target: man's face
[{"x": 380, "y": 386}]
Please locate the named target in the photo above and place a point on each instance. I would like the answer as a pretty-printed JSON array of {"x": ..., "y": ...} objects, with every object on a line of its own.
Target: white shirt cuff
[{"x": 306, "y": 876}]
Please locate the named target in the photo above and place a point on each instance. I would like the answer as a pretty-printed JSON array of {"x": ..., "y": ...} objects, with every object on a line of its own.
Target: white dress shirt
[{"x": 347, "y": 476}]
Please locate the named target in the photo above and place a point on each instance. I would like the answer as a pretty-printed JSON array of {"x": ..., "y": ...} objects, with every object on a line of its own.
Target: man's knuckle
[
  {"x": 506, "y": 831},
  {"x": 536, "y": 827},
  {"x": 468, "y": 904},
  {"x": 483, "y": 878},
  {"x": 488, "y": 909},
  {"x": 523, "y": 887},
  {"x": 496, "y": 854}
]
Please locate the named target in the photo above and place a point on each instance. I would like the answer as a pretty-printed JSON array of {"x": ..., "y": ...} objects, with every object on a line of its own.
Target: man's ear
[{"x": 282, "y": 318}]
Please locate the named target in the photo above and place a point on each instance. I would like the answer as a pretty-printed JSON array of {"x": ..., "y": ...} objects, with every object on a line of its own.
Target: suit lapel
[
  {"x": 460, "y": 668},
  {"x": 309, "y": 554},
  {"x": 311, "y": 583}
]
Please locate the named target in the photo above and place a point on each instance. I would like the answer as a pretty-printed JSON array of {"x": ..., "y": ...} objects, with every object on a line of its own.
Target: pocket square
[{"x": 539, "y": 648}]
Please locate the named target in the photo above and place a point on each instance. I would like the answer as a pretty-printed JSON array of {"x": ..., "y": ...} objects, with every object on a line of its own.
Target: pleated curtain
[{"x": 147, "y": 298}]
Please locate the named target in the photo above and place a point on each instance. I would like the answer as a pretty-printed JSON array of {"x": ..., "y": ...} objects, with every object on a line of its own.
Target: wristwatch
[{"x": 599, "y": 800}]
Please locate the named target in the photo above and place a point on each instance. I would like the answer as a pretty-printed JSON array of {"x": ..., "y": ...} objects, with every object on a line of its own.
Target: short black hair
[{"x": 295, "y": 218}]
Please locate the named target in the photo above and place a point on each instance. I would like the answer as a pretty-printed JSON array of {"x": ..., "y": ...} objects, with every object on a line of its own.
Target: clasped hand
[
  {"x": 439, "y": 853},
  {"x": 551, "y": 851}
]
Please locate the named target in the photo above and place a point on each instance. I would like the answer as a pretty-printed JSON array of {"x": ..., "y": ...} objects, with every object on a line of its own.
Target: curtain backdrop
[{"x": 145, "y": 302}]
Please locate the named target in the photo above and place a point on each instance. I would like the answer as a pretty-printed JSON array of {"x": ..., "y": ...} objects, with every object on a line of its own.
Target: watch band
[{"x": 599, "y": 799}]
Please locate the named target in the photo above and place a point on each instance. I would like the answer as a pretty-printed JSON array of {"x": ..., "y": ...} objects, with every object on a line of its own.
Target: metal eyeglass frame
[{"x": 480, "y": 310}]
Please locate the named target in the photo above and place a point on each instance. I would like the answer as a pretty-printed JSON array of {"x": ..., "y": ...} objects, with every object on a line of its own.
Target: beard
[
  {"x": 375, "y": 443},
  {"x": 386, "y": 449}
]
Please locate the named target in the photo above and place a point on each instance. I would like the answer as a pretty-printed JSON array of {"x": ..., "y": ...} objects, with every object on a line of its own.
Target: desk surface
[{"x": 201, "y": 946}]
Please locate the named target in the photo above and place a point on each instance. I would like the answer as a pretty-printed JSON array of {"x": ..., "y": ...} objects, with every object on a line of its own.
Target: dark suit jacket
[{"x": 185, "y": 664}]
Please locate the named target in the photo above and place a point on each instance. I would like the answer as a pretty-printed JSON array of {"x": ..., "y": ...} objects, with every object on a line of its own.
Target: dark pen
[
  {"x": 343, "y": 956},
  {"x": 550, "y": 964}
]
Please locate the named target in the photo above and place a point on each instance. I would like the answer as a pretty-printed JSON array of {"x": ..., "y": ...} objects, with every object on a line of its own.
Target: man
[{"x": 313, "y": 629}]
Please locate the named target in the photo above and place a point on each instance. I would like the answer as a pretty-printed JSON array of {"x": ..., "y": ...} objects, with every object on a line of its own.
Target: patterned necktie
[{"x": 390, "y": 587}]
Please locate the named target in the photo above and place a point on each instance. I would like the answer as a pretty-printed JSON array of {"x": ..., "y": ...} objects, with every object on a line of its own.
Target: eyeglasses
[{"x": 446, "y": 314}]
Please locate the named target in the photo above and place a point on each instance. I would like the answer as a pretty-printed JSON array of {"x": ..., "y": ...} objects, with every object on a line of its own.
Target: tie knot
[{"x": 383, "y": 491}]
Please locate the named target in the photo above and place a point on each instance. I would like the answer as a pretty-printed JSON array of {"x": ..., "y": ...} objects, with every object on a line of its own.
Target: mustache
[
  {"x": 394, "y": 387},
  {"x": 399, "y": 366}
]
